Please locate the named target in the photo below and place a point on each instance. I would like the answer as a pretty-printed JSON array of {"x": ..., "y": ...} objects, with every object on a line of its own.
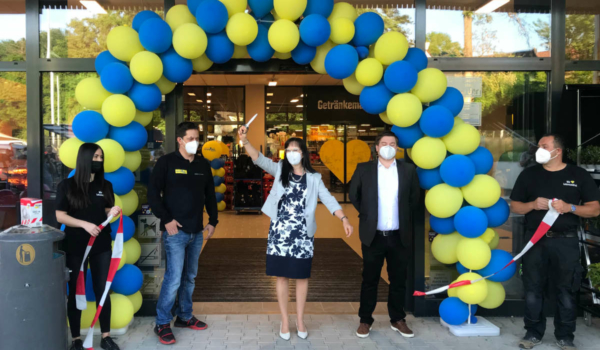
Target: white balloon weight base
[
  {"x": 483, "y": 328},
  {"x": 113, "y": 332}
]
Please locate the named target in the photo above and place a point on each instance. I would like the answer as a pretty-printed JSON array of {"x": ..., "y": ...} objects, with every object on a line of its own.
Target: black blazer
[{"x": 364, "y": 197}]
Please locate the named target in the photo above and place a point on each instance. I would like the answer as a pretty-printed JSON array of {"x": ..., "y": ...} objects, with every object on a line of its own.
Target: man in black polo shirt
[
  {"x": 186, "y": 183},
  {"x": 555, "y": 258}
]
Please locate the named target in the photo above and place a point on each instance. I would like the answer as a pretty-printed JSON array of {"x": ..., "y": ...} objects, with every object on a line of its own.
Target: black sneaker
[
  {"x": 566, "y": 344},
  {"x": 77, "y": 345},
  {"x": 165, "y": 334},
  {"x": 529, "y": 341},
  {"x": 192, "y": 323},
  {"x": 107, "y": 343}
]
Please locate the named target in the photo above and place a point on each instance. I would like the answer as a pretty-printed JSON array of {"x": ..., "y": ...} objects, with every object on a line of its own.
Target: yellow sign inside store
[{"x": 332, "y": 155}]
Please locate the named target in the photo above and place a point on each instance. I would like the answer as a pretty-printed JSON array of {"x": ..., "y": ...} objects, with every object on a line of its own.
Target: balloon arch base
[{"x": 482, "y": 328}]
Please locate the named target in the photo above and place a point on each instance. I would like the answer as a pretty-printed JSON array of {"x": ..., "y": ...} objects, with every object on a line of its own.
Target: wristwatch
[{"x": 573, "y": 208}]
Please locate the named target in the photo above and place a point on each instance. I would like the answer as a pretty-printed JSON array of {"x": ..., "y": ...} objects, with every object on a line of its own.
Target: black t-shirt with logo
[
  {"x": 573, "y": 185},
  {"x": 76, "y": 239}
]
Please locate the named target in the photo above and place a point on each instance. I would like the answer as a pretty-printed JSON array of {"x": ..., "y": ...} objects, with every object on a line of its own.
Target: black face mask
[{"x": 97, "y": 166}]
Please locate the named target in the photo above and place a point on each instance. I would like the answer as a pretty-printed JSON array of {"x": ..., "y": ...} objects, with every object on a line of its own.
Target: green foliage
[
  {"x": 594, "y": 274},
  {"x": 440, "y": 44},
  {"x": 393, "y": 21},
  {"x": 579, "y": 36}
]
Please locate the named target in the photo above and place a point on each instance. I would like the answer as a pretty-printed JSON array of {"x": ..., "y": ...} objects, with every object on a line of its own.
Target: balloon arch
[{"x": 145, "y": 61}]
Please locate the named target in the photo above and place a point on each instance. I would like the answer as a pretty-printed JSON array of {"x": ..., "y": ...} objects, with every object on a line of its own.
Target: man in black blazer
[{"x": 385, "y": 192}]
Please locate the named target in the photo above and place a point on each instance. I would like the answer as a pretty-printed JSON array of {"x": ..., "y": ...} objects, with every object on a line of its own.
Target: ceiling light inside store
[
  {"x": 233, "y": 118},
  {"x": 365, "y": 124},
  {"x": 199, "y": 101},
  {"x": 361, "y": 130},
  {"x": 269, "y": 94},
  {"x": 284, "y": 125},
  {"x": 208, "y": 101},
  {"x": 191, "y": 94},
  {"x": 267, "y": 107},
  {"x": 352, "y": 127},
  {"x": 302, "y": 95},
  {"x": 299, "y": 106},
  {"x": 94, "y": 7},
  {"x": 298, "y": 130},
  {"x": 492, "y": 6},
  {"x": 294, "y": 100},
  {"x": 272, "y": 83},
  {"x": 268, "y": 102},
  {"x": 209, "y": 94}
]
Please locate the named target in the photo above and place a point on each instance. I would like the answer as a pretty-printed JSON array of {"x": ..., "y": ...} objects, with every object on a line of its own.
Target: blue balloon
[
  {"x": 212, "y": 16},
  {"x": 217, "y": 163},
  {"x": 220, "y": 196},
  {"x": 303, "y": 54},
  {"x": 400, "y": 77},
  {"x": 128, "y": 280},
  {"x": 116, "y": 78},
  {"x": 103, "y": 59},
  {"x": 428, "y": 178},
  {"x": 156, "y": 35},
  {"x": 146, "y": 98},
  {"x": 260, "y": 50},
  {"x": 451, "y": 99},
  {"x": 499, "y": 259},
  {"x": 470, "y": 222},
  {"x": 483, "y": 160},
  {"x": 374, "y": 99},
  {"x": 436, "y": 121},
  {"x": 442, "y": 226},
  {"x": 220, "y": 48},
  {"x": 89, "y": 287},
  {"x": 417, "y": 58},
  {"x": 193, "y": 5},
  {"x": 315, "y": 30},
  {"x": 461, "y": 269},
  {"x": 498, "y": 213},
  {"x": 453, "y": 311},
  {"x": 122, "y": 181},
  {"x": 320, "y": 7},
  {"x": 265, "y": 21},
  {"x": 473, "y": 318},
  {"x": 176, "y": 68},
  {"x": 260, "y": 8},
  {"x": 363, "y": 52},
  {"x": 218, "y": 180},
  {"x": 142, "y": 17},
  {"x": 133, "y": 137},
  {"x": 90, "y": 126},
  {"x": 457, "y": 170},
  {"x": 407, "y": 137},
  {"x": 368, "y": 28},
  {"x": 128, "y": 228},
  {"x": 341, "y": 61}
]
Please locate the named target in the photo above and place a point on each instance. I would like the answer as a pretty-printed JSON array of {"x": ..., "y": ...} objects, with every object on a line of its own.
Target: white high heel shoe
[
  {"x": 284, "y": 336},
  {"x": 302, "y": 335}
]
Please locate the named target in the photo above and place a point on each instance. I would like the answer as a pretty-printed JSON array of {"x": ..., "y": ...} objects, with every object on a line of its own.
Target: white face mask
[
  {"x": 543, "y": 156},
  {"x": 387, "y": 152},
  {"x": 192, "y": 147},
  {"x": 293, "y": 157}
]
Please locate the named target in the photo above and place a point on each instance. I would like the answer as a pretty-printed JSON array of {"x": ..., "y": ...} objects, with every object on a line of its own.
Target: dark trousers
[
  {"x": 99, "y": 264},
  {"x": 552, "y": 265},
  {"x": 390, "y": 249}
]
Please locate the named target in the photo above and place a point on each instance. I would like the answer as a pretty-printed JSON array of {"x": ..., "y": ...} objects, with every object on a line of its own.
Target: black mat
[{"x": 233, "y": 270}]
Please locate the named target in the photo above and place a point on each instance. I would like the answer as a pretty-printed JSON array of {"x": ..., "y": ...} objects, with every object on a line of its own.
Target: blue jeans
[{"x": 183, "y": 250}]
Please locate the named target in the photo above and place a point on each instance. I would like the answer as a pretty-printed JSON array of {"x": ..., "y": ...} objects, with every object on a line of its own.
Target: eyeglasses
[{"x": 290, "y": 150}]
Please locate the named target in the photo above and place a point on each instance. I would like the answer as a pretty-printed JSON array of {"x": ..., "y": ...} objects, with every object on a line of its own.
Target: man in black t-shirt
[{"x": 555, "y": 258}]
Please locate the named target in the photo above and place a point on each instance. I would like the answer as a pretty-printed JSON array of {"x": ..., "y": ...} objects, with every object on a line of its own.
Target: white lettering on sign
[
  {"x": 338, "y": 105},
  {"x": 468, "y": 86}
]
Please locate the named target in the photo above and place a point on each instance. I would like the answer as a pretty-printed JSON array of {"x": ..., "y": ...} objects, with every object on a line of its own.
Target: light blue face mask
[{"x": 387, "y": 152}]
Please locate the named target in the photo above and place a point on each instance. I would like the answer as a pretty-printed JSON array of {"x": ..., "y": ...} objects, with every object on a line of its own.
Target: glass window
[
  {"x": 276, "y": 136},
  {"x": 12, "y": 30},
  {"x": 400, "y": 16},
  {"x": 13, "y": 146},
  {"x": 70, "y": 30},
  {"x": 582, "y": 30},
  {"x": 582, "y": 77},
  {"x": 509, "y": 109},
  {"x": 213, "y": 104},
  {"x": 331, "y": 172},
  {"x": 456, "y": 29},
  {"x": 284, "y": 104}
]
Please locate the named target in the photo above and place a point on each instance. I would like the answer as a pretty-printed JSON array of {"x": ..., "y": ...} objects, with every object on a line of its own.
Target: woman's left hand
[
  {"x": 347, "y": 227},
  {"x": 114, "y": 211}
]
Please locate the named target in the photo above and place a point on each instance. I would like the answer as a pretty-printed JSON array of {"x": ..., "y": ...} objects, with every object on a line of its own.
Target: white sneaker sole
[
  {"x": 364, "y": 335},
  {"x": 403, "y": 334}
]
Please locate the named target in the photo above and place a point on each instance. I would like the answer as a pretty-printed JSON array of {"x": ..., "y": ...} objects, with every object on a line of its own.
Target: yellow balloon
[
  {"x": 235, "y": 6},
  {"x": 342, "y": 30},
  {"x": 495, "y": 241},
  {"x": 289, "y": 9},
  {"x": 284, "y": 35},
  {"x": 391, "y": 47},
  {"x": 431, "y": 85},
  {"x": 134, "y": 250},
  {"x": 118, "y": 110},
  {"x": 90, "y": 93},
  {"x": 146, "y": 67},
  {"x": 399, "y": 153},
  {"x": 201, "y": 63},
  {"x": 190, "y": 41},
  {"x": 211, "y": 150},
  {"x": 221, "y": 205},
  {"x": 458, "y": 120},
  {"x": 240, "y": 52},
  {"x": 462, "y": 139},
  {"x": 352, "y": 85},
  {"x": 369, "y": 72},
  {"x": 343, "y": 10},
  {"x": 473, "y": 293},
  {"x": 114, "y": 155},
  {"x": 143, "y": 118},
  {"x": 495, "y": 295},
  {"x": 404, "y": 110},
  {"x": 130, "y": 202},
  {"x": 453, "y": 292},
  {"x": 165, "y": 86},
  {"x": 67, "y": 153},
  {"x": 385, "y": 118},
  {"x": 409, "y": 151},
  {"x": 488, "y": 235},
  {"x": 443, "y": 200},
  {"x": 443, "y": 248},
  {"x": 132, "y": 160},
  {"x": 87, "y": 315},
  {"x": 482, "y": 192},
  {"x": 118, "y": 203},
  {"x": 318, "y": 63},
  {"x": 282, "y": 56},
  {"x": 213, "y": 172},
  {"x": 221, "y": 188},
  {"x": 275, "y": 15},
  {"x": 427, "y": 152},
  {"x": 224, "y": 148},
  {"x": 123, "y": 43},
  {"x": 178, "y": 15},
  {"x": 473, "y": 253},
  {"x": 220, "y": 172},
  {"x": 242, "y": 29},
  {"x": 136, "y": 300},
  {"x": 121, "y": 312}
]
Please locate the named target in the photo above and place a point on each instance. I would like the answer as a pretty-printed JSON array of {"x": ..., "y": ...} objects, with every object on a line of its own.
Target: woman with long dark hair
[
  {"x": 291, "y": 205},
  {"x": 82, "y": 203}
]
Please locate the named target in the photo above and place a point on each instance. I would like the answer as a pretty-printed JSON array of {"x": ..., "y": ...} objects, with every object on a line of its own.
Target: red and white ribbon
[{"x": 545, "y": 225}]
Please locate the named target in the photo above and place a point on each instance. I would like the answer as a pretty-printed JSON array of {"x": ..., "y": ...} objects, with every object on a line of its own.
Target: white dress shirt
[{"x": 387, "y": 190}]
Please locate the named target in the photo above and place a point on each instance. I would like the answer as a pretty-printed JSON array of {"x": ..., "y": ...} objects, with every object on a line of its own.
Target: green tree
[
  {"x": 393, "y": 21},
  {"x": 579, "y": 36},
  {"x": 440, "y": 44},
  {"x": 11, "y": 50}
]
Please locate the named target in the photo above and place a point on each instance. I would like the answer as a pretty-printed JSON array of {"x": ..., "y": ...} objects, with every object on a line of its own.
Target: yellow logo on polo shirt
[{"x": 181, "y": 171}]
